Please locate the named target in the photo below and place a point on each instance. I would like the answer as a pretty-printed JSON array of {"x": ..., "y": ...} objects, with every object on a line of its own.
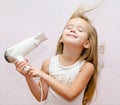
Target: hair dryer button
[{"x": 26, "y": 68}]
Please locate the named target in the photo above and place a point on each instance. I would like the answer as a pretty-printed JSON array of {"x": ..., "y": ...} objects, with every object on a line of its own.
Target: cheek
[
  {"x": 84, "y": 36},
  {"x": 65, "y": 31},
  {"x": 62, "y": 37},
  {"x": 63, "y": 34},
  {"x": 82, "y": 40}
]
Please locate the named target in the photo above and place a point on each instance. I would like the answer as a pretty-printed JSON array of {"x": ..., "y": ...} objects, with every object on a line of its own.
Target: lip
[{"x": 72, "y": 35}]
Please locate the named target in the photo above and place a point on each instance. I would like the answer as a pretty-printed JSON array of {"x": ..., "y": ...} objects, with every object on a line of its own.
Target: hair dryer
[{"x": 18, "y": 51}]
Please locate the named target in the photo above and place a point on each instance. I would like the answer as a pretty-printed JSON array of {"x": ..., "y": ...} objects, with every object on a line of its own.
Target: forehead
[{"x": 78, "y": 22}]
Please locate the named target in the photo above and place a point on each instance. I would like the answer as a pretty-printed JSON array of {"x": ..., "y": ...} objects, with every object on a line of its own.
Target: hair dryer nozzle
[{"x": 40, "y": 37}]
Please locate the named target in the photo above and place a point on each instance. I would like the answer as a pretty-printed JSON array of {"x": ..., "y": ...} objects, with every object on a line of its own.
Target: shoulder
[
  {"x": 45, "y": 65},
  {"x": 46, "y": 62},
  {"x": 88, "y": 68},
  {"x": 88, "y": 65}
]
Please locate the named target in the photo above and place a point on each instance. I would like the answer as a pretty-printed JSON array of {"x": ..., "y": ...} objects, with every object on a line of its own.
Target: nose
[{"x": 72, "y": 30}]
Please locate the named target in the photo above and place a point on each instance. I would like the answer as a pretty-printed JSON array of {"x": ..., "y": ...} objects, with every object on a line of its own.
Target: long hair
[{"x": 89, "y": 54}]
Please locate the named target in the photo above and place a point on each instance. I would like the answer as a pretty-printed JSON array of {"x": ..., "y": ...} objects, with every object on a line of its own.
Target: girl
[{"x": 68, "y": 78}]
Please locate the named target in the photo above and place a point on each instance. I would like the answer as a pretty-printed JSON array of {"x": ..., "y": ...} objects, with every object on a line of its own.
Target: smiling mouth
[{"x": 71, "y": 35}]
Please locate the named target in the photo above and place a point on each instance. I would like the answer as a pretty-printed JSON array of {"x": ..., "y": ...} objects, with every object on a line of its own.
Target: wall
[{"x": 20, "y": 19}]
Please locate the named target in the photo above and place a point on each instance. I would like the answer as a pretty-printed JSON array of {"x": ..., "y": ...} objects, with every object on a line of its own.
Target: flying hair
[{"x": 84, "y": 10}]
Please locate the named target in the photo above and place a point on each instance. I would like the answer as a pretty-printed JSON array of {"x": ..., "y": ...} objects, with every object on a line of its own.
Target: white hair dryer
[{"x": 18, "y": 51}]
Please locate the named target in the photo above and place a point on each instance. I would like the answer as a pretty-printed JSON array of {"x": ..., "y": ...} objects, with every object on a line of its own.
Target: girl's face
[{"x": 76, "y": 32}]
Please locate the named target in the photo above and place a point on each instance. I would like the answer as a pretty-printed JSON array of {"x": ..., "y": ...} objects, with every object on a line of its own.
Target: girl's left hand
[{"x": 34, "y": 72}]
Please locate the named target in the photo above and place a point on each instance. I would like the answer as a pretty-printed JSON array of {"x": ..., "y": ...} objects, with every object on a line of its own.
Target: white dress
[{"x": 65, "y": 75}]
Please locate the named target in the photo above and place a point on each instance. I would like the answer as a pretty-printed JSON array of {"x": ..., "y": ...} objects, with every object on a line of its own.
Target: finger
[
  {"x": 16, "y": 62},
  {"x": 21, "y": 64},
  {"x": 26, "y": 68},
  {"x": 34, "y": 75},
  {"x": 26, "y": 60},
  {"x": 21, "y": 67},
  {"x": 31, "y": 72}
]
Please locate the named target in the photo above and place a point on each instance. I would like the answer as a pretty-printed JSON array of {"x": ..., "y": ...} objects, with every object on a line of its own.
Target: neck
[{"x": 70, "y": 55}]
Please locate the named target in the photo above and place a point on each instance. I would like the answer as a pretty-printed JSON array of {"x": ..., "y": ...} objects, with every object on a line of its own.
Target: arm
[
  {"x": 33, "y": 86},
  {"x": 69, "y": 92}
]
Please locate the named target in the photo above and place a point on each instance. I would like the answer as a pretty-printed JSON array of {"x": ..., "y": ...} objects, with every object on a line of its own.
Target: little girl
[{"x": 69, "y": 77}]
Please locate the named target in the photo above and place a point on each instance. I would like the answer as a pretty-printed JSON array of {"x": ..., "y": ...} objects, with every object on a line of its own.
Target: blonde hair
[{"x": 90, "y": 55}]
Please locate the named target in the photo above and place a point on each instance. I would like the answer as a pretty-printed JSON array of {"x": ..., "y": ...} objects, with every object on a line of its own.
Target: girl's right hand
[{"x": 20, "y": 65}]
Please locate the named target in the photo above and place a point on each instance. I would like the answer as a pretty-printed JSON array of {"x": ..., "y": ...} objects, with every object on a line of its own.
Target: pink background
[{"x": 20, "y": 19}]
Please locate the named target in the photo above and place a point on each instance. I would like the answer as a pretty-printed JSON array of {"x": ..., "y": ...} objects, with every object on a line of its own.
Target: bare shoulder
[
  {"x": 88, "y": 67},
  {"x": 45, "y": 65}
]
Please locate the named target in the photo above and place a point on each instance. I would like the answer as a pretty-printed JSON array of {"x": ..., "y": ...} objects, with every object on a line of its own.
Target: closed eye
[
  {"x": 80, "y": 30},
  {"x": 69, "y": 26}
]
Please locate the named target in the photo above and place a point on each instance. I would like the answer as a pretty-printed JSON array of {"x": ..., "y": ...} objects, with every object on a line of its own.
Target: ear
[{"x": 87, "y": 44}]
